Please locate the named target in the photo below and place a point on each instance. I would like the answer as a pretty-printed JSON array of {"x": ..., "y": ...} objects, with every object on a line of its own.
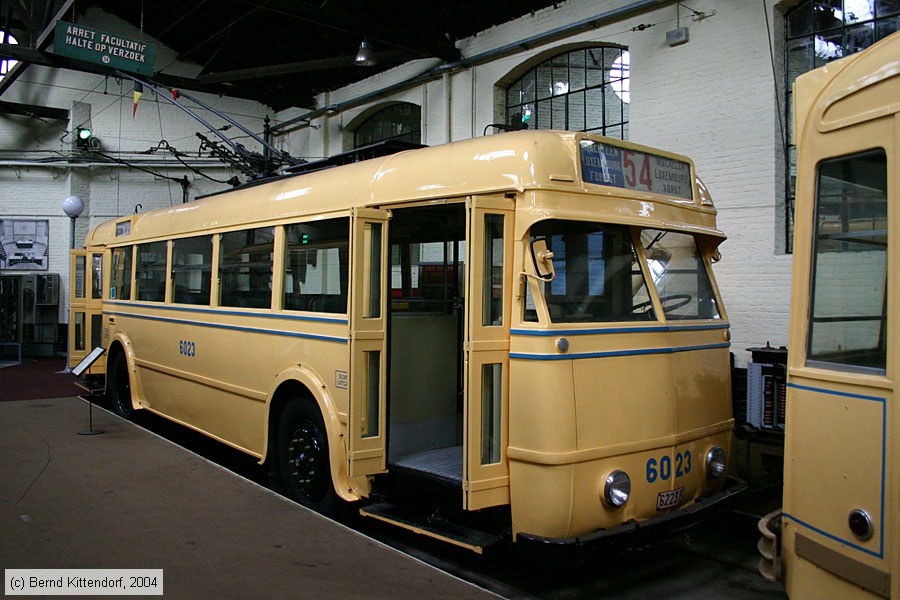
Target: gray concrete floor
[{"x": 128, "y": 499}]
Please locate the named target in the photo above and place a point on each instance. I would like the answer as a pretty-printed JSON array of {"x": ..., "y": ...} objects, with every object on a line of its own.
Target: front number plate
[{"x": 669, "y": 499}]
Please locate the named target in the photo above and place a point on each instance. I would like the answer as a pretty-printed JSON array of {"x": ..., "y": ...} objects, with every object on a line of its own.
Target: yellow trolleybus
[
  {"x": 841, "y": 516},
  {"x": 515, "y": 336}
]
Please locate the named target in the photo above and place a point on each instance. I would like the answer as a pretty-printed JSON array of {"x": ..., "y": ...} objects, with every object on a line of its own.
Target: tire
[
  {"x": 303, "y": 459},
  {"x": 119, "y": 388}
]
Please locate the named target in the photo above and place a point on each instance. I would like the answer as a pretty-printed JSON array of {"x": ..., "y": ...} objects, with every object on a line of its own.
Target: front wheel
[
  {"x": 303, "y": 459},
  {"x": 119, "y": 387}
]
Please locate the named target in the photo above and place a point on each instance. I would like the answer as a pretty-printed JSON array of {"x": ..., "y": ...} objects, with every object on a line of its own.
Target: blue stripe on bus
[
  {"x": 295, "y": 334},
  {"x": 614, "y": 353},
  {"x": 651, "y": 329},
  {"x": 883, "y": 402},
  {"x": 213, "y": 311}
]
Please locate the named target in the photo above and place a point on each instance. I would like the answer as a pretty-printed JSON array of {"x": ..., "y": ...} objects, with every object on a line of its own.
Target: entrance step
[{"x": 435, "y": 527}]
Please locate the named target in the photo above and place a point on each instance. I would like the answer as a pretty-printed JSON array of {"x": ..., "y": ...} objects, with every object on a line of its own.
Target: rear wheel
[
  {"x": 303, "y": 458},
  {"x": 120, "y": 387}
]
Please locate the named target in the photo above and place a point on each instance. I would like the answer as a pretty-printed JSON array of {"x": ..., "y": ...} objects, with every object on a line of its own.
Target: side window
[
  {"x": 848, "y": 304},
  {"x": 120, "y": 278},
  {"x": 245, "y": 268},
  {"x": 192, "y": 270},
  {"x": 316, "y": 266},
  {"x": 151, "y": 271}
]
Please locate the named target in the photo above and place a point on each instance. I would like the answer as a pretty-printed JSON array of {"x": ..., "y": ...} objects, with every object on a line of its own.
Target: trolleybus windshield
[{"x": 599, "y": 276}]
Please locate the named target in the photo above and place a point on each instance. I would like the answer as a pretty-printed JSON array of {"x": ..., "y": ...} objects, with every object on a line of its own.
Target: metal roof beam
[
  {"x": 394, "y": 56},
  {"x": 43, "y": 40},
  {"x": 364, "y": 28}
]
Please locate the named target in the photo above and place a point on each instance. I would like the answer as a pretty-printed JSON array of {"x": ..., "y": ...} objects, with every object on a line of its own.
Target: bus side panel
[
  {"x": 196, "y": 375},
  {"x": 848, "y": 465}
]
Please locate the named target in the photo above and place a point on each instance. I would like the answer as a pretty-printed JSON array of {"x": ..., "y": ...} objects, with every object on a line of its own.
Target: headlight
[
  {"x": 617, "y": 489},
  {"x": 715, "y": 462}
]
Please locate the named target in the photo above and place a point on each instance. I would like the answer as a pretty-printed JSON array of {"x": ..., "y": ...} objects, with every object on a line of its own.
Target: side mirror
[{"x": 543, "y": 259}]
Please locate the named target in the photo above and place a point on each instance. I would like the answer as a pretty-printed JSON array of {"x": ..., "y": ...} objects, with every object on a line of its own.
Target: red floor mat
[{"x": 39, "y": 378}]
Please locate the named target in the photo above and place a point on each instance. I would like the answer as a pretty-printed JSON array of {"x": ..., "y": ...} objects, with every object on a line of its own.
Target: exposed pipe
[
  {"x": 113, "y": 165},
  {"x": 433, "y": 73},
  {"x": 448, "y": 105}
]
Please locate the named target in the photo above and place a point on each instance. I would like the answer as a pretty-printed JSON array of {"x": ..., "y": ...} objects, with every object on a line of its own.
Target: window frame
[{"x": 565, "y": 85}]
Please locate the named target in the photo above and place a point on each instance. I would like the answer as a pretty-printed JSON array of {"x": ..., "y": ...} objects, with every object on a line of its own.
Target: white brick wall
[{"x": 712, "y": 99}]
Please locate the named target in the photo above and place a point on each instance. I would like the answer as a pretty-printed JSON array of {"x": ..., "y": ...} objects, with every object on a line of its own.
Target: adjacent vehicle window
[
  {"x": 316, "y": 266},
  {"x": 598, "y": 277},
  {"x": 679, "y": 274},
  {"x": 151, "y": 271},
  {"x": 120, "y": 278},
  {"x": 192, "y": 270},
  {"x": 848, "y": 305},
  {"x": 245, "y": 268}
]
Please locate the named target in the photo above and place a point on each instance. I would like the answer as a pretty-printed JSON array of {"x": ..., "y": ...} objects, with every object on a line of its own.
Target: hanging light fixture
[{"x": 365, "y": 57}]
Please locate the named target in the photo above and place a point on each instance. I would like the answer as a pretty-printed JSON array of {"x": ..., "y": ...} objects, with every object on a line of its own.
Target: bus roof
[
  {"x": 848, "y": 91},
  {"x": 496, "y": 163}
]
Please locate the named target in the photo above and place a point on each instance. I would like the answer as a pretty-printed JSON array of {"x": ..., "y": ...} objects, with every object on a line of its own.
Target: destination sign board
[
  {"x": 605, "y": 164},
  {"x": 108, "y": 49}
]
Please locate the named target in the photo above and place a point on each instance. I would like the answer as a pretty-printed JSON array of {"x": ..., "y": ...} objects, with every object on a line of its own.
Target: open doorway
[{"x": 428, "y": 249}]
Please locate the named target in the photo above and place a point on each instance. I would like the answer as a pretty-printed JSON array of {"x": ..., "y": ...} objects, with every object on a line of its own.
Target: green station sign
[{"x": 108, "y": 49}]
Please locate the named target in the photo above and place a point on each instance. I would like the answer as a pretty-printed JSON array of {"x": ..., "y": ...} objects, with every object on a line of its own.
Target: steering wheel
[{"x": 677, "y": 300}]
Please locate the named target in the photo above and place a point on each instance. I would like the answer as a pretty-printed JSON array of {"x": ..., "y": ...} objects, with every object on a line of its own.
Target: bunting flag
[{"x": 138, "y": 92}]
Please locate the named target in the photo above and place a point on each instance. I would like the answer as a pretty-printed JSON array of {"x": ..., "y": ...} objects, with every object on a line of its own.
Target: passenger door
[
  {"x": 369, "y": 287},
  {"x": 489, "y": 292},
  {"x": 85, "y": 305}
]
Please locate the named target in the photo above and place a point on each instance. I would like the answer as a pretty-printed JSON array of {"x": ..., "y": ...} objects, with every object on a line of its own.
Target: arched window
[
  {"x": 581, "y": 90},
  {"x": 7, "y": 63},
  {"x": 817, "y": 32},
  {"x": 401, "y": 121}
]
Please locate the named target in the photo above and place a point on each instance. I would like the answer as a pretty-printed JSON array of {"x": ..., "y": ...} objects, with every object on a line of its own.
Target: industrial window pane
[
  {"x": 493, "y": 271},
  {"x": 884, "y": 8},
  {"x": 569, "y": 90},
  {"x": 577, "y": 69},
  {"x": 245, "y": 268},
  {"x": 317, "y": 266},
  {"x": 491, "y": 412},
  {"x": 373, "y": 394},
  {"x": 401, "y": 121},
  {"x": 120, "y": 282},
  {"x": 848, "y": 305},
  {"x": 192, "y": 270},
  {"x": 151, "y": 271}
]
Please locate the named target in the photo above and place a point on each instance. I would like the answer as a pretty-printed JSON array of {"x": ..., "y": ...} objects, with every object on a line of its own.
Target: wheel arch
[
  {"x": 120, "y": 344},
  {"x": 298, "y": 382}
]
